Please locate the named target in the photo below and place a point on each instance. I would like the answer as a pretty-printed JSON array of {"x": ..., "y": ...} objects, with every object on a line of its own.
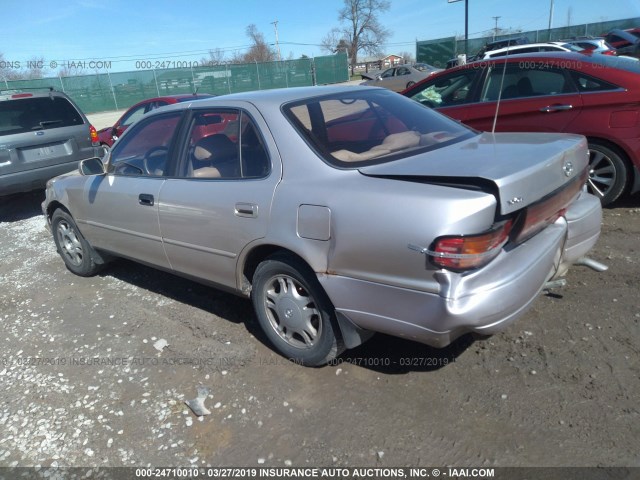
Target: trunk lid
[{"x": 519, "y": 168}]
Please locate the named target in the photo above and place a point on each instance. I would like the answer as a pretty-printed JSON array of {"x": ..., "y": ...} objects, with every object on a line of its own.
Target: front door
[{"x": 120, "y": 209}]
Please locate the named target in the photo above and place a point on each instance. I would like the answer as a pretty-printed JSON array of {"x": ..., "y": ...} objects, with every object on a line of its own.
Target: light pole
[
  {"x": 550, "y": 18},
  {"x": 466, "y": 24}
]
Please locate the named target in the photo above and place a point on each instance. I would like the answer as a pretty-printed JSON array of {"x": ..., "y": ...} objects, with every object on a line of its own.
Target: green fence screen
[
  {"x": 116, "y": 91},
  {"x": 437, "y": 52}
]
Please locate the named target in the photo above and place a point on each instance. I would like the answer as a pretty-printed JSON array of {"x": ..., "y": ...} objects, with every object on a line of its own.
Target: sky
[{"x": 131, "y": 35}]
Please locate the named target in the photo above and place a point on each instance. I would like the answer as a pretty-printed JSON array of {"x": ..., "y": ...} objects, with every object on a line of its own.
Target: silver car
[
  {"x": 42, "y": 134},
  {"x": 400, "y": 77},
  {"x": 340, "y": 211}
]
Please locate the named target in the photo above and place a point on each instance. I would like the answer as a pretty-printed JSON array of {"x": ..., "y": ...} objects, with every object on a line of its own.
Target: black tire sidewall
[
  {"x": 328, "y": 346},
  {"x": 618, "y": 187},
  {"x": 88, "y": 266}
]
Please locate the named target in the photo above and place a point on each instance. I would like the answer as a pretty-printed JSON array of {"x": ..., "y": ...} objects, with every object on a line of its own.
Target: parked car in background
[
  {"x": 42, "y": 134},
  {"x": 108, "y": 135},
  {"x": 592, "y": 95},
  {"x": 592, "y": 45},
  {"x": 626, "y": 42},
  {"x": 340, "y": 211},
  {"x": 496, "y": 44},
  {"x": 399, "y": 77},
  {"x": 531, "y": 48}
]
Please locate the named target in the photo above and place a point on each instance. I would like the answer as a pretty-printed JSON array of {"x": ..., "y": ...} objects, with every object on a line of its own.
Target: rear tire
[
  {"x": 608, "y": 173},
  {"x": 75, "y": 251},
  {"x": 294, "y": 311}
]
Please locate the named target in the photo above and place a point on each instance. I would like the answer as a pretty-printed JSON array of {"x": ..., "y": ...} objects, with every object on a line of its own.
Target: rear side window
[
  {"x": 522, "y": 82},
  {"x": 587, "y": 83},
  {"x": 42, "y": 113}
]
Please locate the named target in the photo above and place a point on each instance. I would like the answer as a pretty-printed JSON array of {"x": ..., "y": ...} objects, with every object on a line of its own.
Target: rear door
[
  {"x": 220, "y": 199},
  {"x": 536, "y": 97}
]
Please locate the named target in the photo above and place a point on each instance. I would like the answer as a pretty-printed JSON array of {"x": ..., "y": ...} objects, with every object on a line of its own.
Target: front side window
[
  {"x": 446, "y": 91},
  {"x": 144, "y": 150},
  {"x": 133, "y": 115},
  {"x": 364, "y": 128}
]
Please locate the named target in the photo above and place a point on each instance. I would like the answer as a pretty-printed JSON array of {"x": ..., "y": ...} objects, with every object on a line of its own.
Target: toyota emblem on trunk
[{"x": 567, "y": 168}]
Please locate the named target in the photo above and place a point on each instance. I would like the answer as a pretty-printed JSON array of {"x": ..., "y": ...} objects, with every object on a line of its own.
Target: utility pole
[
  {"x": 495, "y": 30},
  {"x": 275, "y": 27}
]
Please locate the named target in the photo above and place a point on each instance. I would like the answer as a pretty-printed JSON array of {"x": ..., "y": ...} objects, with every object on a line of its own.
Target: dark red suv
[
  {"x": 597, "y": 96},
  {"x": 109, "y": 135}
]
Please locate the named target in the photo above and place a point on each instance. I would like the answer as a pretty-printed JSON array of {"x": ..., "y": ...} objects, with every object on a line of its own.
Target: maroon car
[
  {"x": 108, "y": 135},
  {"x": 594, "y": 95}
]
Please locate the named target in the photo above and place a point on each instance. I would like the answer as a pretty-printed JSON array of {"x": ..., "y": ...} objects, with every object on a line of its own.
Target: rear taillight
[
  {"x": 93, "y": 133},
  {"x": 548, "y": 210},
  {"x": 467, "y": 252},
  {"x": 608, "y": 52},
  {"x": 22, "y": 95}
]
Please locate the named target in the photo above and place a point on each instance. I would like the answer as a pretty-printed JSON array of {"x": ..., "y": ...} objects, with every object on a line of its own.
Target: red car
[
  {"x": 597, "y": 96},
  {"x": 108, "y": 135}
]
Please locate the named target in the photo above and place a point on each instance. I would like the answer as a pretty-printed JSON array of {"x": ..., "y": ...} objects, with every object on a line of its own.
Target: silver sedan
[
  {"x": 400, "y": 77},
  {"x": 338, "y": 211}
]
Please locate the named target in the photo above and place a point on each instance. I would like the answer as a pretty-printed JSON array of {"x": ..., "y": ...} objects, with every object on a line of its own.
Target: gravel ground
[{"x": 87, "y": 380}]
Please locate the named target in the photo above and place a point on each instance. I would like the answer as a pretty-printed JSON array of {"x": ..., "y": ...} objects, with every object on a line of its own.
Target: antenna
[{"x": 504, "y": 69}]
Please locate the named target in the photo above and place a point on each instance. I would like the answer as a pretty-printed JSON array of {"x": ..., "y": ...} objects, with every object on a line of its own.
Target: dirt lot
[{"x": 81, "y": 382}]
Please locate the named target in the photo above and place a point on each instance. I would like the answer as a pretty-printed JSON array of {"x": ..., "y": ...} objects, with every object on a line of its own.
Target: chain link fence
[
  {"x": 116, "y": 91},
  {"x": 438, "y": 52}
]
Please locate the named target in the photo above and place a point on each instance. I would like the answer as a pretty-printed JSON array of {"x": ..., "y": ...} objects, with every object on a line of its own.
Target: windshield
[{"x": 369, "y": 126}]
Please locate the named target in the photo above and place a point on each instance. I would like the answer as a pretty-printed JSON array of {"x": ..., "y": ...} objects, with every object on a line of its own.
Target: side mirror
[
  {"x": 378, "y": 77},
  {"x": 91, "y": 166}
]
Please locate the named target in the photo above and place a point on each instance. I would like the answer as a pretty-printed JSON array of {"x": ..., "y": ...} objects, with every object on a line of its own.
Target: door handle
[
  {"x": 246, "y": 210},
  {"x": 145, "y": 199},
  {"x": 555, "y": 108}
]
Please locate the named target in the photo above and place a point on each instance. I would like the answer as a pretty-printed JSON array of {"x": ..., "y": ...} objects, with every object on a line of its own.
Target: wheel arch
[
  {"x": 53, "y": 206},
  {"x": 257, "y": 254},
  {"x": 350, "y": 334}
]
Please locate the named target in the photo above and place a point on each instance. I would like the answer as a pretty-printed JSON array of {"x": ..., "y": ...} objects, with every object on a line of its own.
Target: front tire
[
  {"x": 72, "y": 246},
  {"x": 608, "y": 173},
  {"x": 294, "y": 311}
]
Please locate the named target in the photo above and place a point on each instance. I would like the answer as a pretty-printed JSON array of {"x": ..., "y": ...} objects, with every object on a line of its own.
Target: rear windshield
[
  {"x": 369, "y": 126},
  {"x": 38, "y": 113}
]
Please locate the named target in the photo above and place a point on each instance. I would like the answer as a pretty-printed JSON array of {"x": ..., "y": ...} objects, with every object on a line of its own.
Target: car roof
[
  {"x": 527, "y": 45},
  {"x": 273, "y": 97}
]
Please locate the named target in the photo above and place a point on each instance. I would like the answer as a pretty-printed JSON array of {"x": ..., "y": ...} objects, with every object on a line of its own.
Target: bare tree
[
  {"x": 71, "y": 70},
  {"x": 260, "y": 51},
  {"x": 407, "y": 57},
  {"x": 35, "y": 68},
  {"x": 361, "y": 30},
  {"x": 216, "y": 57},
  {"x": 6, "y": 70}
]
